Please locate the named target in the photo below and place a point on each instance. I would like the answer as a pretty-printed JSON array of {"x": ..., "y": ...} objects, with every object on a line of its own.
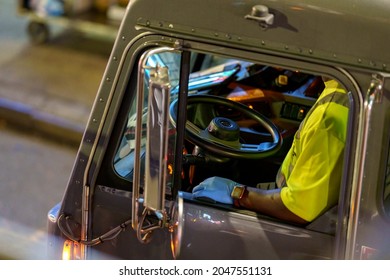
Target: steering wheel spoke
[
  {"x": 257, "y": 147},
  {"x": 191, "y": 127}
]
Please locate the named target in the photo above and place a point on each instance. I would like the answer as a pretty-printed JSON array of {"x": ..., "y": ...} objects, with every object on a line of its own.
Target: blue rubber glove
[{"x": 215, "y": 189}]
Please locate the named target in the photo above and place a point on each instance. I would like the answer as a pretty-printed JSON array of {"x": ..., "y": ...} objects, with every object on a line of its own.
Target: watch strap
[{"x": 238, "y": 193}]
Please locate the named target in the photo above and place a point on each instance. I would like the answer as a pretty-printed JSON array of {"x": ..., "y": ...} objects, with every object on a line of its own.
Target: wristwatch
[{"x": 238, "y": 193}]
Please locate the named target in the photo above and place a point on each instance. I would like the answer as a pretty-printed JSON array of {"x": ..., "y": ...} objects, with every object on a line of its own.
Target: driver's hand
[{"x": 215, "y": 189}]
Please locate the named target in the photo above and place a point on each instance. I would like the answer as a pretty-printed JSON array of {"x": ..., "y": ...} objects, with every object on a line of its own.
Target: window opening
[{"x": 282, "y": 96}]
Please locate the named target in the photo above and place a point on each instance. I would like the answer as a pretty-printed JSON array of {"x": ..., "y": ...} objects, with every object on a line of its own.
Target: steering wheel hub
[{"x": 224, "y": 129}]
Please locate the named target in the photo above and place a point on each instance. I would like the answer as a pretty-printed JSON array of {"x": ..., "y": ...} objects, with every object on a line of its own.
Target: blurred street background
[{"x": 46, "y": 93}]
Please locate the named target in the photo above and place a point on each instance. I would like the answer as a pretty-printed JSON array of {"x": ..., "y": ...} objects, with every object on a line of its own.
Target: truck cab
[{"x": 196, "y": 89}]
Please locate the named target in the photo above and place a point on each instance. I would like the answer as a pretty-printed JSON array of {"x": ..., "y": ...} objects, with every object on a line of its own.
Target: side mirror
[
  {"x": 157, "y": 140},
  {"x": 153, "y": 201}
]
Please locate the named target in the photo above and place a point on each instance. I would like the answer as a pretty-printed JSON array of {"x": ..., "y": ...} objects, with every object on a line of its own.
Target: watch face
[{"x": 238, "y": 192}]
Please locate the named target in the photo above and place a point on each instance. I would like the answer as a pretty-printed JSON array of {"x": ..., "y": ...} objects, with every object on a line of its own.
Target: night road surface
[{"x": 33, "y": 176}]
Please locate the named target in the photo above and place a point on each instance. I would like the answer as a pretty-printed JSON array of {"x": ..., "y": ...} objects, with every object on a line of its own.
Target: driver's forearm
[{"x": 268, "y": 202}]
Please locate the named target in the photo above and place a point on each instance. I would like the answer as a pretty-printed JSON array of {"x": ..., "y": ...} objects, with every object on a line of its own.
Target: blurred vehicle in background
[{"x": 98, "y": 17}]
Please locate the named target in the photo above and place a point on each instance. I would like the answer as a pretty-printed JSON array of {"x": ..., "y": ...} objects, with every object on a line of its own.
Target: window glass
[
  {"x": 124, "y": 158},
  {"x": 283, "y": 95},
  {"x": 276, "y": 95}
]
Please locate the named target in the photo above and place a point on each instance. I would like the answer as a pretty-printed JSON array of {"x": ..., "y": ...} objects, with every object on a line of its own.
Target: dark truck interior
[{"x": 234, "y": 102}]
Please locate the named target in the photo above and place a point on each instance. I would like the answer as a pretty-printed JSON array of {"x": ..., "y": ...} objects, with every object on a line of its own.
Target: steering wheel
[{"x": 222, "y": 135}]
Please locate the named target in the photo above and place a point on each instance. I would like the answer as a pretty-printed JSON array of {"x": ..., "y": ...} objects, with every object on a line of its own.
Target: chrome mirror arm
[{"x": 138, "y": 219}]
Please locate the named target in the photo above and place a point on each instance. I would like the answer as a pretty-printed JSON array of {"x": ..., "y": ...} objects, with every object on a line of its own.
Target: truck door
[
  {"x": 153, "y": 158},
  {"x": 134, "y": 185},
  {"x": 370, "y": 221}
]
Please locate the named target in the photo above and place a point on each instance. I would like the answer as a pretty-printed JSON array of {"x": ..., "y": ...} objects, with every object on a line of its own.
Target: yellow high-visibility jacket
[{"x": 310, "y": 175}]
